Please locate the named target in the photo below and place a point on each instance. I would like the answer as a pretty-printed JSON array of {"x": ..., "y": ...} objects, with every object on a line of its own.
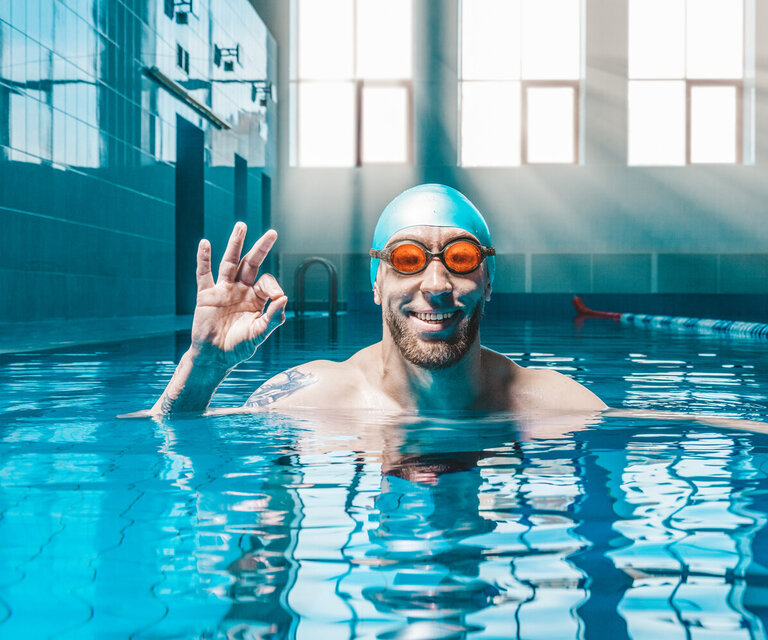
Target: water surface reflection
[{"x": 438, "y": 528}]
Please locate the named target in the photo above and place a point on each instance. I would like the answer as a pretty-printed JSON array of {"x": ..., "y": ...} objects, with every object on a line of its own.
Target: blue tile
[
  {"x": 34, "y": 595},
  {"x": 561, "y": 273},
  {"x": 65, "y": 40}
]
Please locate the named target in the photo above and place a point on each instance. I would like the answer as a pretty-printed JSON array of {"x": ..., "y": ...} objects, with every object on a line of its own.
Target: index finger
[
  {"x": 204, "y": 276},
  {"x": 231, "y": 257},
  {"x": 249, "y": 267}
]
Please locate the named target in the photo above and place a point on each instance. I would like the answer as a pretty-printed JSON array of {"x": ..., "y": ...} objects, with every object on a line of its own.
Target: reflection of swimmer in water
[
  {"x": 432, "y": 267},
  {"x": 430, "y": 572},
  {"x": 427, "y": 570}
]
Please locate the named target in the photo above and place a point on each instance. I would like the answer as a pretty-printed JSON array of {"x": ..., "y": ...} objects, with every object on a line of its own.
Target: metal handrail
[{"x": 333, "y": 283}]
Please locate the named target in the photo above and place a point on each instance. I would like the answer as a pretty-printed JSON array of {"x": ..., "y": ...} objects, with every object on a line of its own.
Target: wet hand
[{"x": 237, "y": 312}]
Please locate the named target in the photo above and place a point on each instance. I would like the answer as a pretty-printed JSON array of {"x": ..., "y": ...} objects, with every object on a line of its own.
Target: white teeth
[{"x": 434, "y": 317}]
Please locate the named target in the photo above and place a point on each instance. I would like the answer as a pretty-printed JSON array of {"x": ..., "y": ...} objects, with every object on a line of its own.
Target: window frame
[
  {"x": 552, "y": 84},
  {"x": 295, "y": 81},
  {"x": 525, "y": 83},
  {"x": 740, "y": 85}
]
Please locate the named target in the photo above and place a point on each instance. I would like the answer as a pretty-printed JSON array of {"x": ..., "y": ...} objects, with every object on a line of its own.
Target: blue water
[{"x": 328, "y": 525}]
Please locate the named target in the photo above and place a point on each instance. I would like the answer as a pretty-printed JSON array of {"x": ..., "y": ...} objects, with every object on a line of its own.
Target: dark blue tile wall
[{"x": 88, "y": 148}]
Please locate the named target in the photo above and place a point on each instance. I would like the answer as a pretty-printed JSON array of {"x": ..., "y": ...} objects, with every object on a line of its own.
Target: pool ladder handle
[{"x": 299, "y": 281}]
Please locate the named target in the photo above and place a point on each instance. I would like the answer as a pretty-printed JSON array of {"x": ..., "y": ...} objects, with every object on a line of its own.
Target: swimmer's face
[{"x": 433, "y": 316}]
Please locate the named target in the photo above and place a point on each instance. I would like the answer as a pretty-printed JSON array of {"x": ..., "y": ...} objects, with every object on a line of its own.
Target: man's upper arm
[
  {"x": 282, "y": 386},
  {"x": 299, "y": 386}
]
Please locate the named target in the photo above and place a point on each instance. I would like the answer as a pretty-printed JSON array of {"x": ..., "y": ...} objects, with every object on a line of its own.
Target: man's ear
[
  {"x": 376, "y": 293},
  {"x": 488, "y": 292}
]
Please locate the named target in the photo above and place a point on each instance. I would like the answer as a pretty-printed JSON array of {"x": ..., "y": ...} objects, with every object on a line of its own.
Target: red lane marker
[{"x": 584, "y": 311}]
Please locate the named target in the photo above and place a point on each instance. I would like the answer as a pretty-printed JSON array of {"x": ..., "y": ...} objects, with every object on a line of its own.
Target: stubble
[{"x": 433, "y": 354}]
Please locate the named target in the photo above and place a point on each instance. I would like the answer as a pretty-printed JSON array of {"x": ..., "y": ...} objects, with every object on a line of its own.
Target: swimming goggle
[{"x": 409, "y": 257}]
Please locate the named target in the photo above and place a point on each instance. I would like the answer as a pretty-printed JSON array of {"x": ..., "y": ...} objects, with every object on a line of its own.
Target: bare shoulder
[
  {"x": 548, "y": 389},
  {"x": 542, "y": 388},
  {"x": 320, "y": 383}
]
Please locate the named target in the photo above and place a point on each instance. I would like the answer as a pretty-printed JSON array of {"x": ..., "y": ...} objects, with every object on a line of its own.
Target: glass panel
[
  {"x": 716, "y": 39},
  {"x": 384, "y": 39},
  {"x": 713, "y": 124},
  {"x": 490, "y": 124},
  {"x": 657, "y": 123},
  {"x": 385, "y": 124},
  {"x": 33, "y": 141},
  {"x": 18, "y": 121},
  {"x": 551, "y": 125},
  {"x": 490, "y": 39},
  {"x": 551, "y": 39},
  {"x": 325, "y": 39},
  {"x": 326, "y": 124},
  {"x": 657, "y": 39},
  {"x": 59, "y": 137}
]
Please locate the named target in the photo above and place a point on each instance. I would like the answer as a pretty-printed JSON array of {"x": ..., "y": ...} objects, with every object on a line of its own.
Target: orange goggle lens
[
  {"x": 459, "y": 257},
  {"x": 408, "y": 258},
  {"x": 462, "y": 257}
]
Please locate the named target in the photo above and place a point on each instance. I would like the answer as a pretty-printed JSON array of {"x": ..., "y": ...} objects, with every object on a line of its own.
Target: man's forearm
[{"x": 192, "y": 385}]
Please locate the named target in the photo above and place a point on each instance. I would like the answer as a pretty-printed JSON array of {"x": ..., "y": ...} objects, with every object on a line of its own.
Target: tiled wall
[{"x": 88, "y": 147}]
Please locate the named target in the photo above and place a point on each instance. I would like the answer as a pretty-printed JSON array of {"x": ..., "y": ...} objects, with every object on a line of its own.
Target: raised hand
[{"x": 235, "y": 314}]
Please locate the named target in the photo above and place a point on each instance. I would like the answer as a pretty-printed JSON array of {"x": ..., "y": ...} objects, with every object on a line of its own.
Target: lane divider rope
[{"x": 735, "y": 328}]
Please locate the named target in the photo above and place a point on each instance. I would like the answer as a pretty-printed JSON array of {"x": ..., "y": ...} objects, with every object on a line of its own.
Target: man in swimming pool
[{"x": 432, "y": 267}]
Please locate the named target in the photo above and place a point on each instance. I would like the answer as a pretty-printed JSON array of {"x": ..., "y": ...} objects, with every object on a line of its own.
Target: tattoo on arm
[
  {"x": 166, "y": 403},
  {"x": 290, "y": 382}
]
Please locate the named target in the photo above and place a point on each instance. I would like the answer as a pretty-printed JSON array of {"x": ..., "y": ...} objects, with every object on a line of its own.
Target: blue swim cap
[{"x": 430, "y": 205}]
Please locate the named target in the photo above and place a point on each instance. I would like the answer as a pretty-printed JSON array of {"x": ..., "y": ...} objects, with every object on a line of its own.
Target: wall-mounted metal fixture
[
  {"x": 183, "y": 9},
  {"x": 261, "y": 90},
  {"x": 333, "y": 284},
  {"x": 180, "y": 92},
  {"x": 226, "y": 56}
]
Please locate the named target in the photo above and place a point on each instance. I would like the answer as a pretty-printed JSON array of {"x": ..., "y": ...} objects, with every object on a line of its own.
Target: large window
[
  {"x": 521, "y": 67},
  {"x": 686, "y": 82},
  {"x": 351, "y": 82}
]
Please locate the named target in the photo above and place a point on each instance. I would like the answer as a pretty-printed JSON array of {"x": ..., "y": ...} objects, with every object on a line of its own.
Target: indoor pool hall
[{"x": 383, "y": 319}]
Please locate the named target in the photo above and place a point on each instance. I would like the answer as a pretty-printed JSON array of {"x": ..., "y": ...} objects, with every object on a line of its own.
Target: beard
[{"x": 433, "y": 354}]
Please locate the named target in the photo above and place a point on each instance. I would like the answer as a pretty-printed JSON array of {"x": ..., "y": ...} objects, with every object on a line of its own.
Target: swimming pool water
[{"x": 339, "y": 525}]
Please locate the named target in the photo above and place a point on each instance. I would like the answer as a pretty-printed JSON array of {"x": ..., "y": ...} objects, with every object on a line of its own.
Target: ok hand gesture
[{"x": 235, "y": 314}]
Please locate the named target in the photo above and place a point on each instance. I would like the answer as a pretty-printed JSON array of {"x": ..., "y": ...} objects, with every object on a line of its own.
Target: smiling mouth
[{"x": 435, "y": 317}]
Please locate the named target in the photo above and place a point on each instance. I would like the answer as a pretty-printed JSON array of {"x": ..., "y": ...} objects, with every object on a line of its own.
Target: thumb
[{"x": 274, "y": 316}]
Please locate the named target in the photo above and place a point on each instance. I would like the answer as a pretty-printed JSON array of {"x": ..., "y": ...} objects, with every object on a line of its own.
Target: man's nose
[{"x": 436, "y": 278}]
